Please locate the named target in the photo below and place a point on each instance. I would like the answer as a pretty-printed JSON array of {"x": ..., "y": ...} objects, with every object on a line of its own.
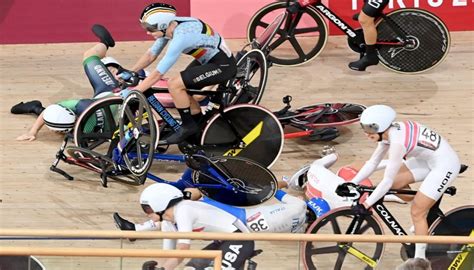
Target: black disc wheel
[
  {"x": 138, "y": 133},
  {"x": 428, "y": 41},
  {"x": 457, "y": 222},
  {"x": 301, "y": 37},
  {"x": 244, "y": 130},
  {"x": 250, "y": 80},
  {"x": 331, "y": 255},
  {"x": 223, "y": 179},
  {"x": 325, "y": 115}
]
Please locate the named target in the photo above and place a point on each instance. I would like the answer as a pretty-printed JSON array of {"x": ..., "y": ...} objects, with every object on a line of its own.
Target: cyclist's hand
[
  {"x": 128, "y": 77},
  {"x": 26, "y": 137},
  {"x": 124, "y": 93},
  {"x": 360, "y": 210}
]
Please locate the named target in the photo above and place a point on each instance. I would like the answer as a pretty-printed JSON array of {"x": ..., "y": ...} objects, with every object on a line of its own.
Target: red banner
[
  {"x": 46, "y": 21},
  {"x": 456, "y": 14}
]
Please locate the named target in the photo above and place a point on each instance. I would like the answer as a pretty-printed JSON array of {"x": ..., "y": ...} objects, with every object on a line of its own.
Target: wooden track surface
[{"x": 33, "y": 197}]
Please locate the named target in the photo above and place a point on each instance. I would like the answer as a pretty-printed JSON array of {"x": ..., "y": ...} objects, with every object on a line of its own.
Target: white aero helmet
[
  {"x": 59, "y": 118},
  {"x": 110, "y": 61},
  {"x": 377, "y": 118},
  {"x": 157, "y": 17},
  {"x": 158, "y": 197}
]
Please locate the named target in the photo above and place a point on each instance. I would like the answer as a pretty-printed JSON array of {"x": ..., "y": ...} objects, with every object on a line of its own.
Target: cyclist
[
  {"x": 214, "y": 63},
  {"x": 371, "y": 10},
  {"x": 100, "y": 71},
  {"x": 169, "y": 209},
  {"x": 428, "y": 156}
]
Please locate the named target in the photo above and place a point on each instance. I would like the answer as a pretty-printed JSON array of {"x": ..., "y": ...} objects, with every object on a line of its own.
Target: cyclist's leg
[
  {"x": 219, "y": 69},
  {"x": 445, "y": 170},
  {"x": 370, "y": 11}
]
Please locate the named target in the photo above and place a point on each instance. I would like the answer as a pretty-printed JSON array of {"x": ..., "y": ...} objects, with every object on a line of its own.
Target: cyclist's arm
[
  {"x": 370, "y": 166},
  {"x": 144, "y": 61},
  {"x": 31, "y": 134},
  {"x": 287, "y": 198},
  {"x": 395, "y": 160}
]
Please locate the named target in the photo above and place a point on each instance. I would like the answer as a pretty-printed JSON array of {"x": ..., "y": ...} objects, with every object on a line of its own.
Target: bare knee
[
  {"x": 174, "y": 84},
  {"x": 418, "y": 213}
]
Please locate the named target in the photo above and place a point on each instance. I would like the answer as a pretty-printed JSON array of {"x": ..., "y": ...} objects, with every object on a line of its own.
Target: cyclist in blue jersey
[
  {"x": 214, "y": 63},
  {"x": 371, "y": 10}
]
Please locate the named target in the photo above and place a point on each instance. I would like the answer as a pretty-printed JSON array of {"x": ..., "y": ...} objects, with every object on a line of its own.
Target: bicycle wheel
[
  {"x": 96, "y": 126},
  {"x": 252, "y": 186},
  {"x": 295, "y": 46},
  {"x": 250, "y": 80},
  {"x": 142, "y": 138},
  {"x": 257, "y": 127},
  {"x": 325, "y": 115},
  {"x": 320, "y": 255},
  {"x": 429, "y": 41},
  {"x": 459, "y": 222}
]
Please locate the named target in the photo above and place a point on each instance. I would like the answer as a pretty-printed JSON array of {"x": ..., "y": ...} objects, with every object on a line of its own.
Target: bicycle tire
[
  {"x": 250, "y": 81},
  {"x": 334, "y": 219},
  {"x": 278, "y": 53},
  {"x": 138, "y": 157},
  {"x": 458, "y": 222},
  {"x": 325, "y": 115},
  {"x": 265, "y": 142},
  {"x": 252, "y": 186},
  {"x": 429, "y": 34}
]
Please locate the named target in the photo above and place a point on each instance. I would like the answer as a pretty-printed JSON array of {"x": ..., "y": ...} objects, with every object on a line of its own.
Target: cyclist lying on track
[
  {"x": 429, "y": 158},
  {"x": 170, "y": 210},
  {"x": 214, "y": 63},
  {"x": 101, "y": 72}
]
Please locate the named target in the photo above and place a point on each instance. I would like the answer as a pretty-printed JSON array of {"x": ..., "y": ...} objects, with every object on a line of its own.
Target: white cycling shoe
[{"x": 298, "y": 180}]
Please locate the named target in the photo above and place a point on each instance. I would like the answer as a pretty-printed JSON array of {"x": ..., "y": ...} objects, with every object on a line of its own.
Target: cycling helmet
[
  {"x": 377, "y": 118},
  {"x": 157, "y": 16},
  {"x": 110, "y": 61},
  {"x": 158, "y": 197},
  {"x": 59, "y": 118}
]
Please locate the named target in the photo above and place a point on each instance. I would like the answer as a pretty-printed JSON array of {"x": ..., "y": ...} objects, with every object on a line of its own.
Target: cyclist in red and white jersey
[
  {"x": 169, "y": 209},
  {"x": 428, "y": 157}
]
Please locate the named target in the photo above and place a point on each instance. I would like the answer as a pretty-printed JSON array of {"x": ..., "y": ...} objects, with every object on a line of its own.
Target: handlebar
[{"x": 353, "y": 190}]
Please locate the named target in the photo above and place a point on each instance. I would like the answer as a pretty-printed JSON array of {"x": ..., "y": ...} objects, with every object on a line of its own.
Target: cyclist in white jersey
[
  {"x": 169, "y": 210},
  {"x": 214, "y": 63},
  {"x": 428, "y": 156}
]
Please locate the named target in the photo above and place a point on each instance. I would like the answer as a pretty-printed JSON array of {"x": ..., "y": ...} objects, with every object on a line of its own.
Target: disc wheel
[
  {"x": 244, "y": 130},
  {"x": 428, "y": 46},
  {"x": 138, "y": 139},
  {"x": 292, "y": 45},
  {"x": 327, "y": 255},
  {"x": 252, "y": 186}
]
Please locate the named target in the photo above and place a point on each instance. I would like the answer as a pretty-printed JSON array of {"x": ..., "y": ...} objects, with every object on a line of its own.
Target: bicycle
[
  {"x": 458, "y": 221},
  {"x": 403, "y": 43},
  {"x": 318, "y": 122}
]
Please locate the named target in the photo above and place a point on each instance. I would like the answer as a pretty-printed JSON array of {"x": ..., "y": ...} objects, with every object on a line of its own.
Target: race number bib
[
  {"x": 258, "y": 224},
  {"x": 428, "y": 139}
]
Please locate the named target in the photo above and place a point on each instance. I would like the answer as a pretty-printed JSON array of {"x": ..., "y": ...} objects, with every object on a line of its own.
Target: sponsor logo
[
  {"x": 336, "y": 21},
  {"x": 416, "y": 3},
  {"x": 104, "y": 76},
  {"x": 207, "y": 75},
  {"x": 445, "y": 181},
  {"x": 388, "y": 218}
]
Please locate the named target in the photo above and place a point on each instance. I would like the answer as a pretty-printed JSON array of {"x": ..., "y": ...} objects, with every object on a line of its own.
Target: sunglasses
[
  {"x": 152, "y": 27},
  {"x": 147, "y": 209},
  {"x": 370, "y": 128}
]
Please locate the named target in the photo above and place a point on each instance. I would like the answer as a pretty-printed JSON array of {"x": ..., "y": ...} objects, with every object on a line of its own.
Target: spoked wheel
[
  {"x": 428, "y": 37},
  {"x": 459, "y": 222},
  {"x": 97, "y": 127},
  {"x": 223, "y": 179},
  {"x": 137, "y": 137},
  {"x": 250, "y": 80},
  {"x": 248, "y": 131},
  {"x": 325, "y": 115},
  {"x": 330, "y": 255},
  {"x": 301, "y": 37}
]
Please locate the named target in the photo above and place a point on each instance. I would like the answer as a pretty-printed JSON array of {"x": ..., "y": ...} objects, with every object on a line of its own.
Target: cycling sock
[
  {"x": 420, "y": 250},
  {"x": 104, "y": 35},
  {"x": 197, "y": 117},
  {"x": 188, "y": 127},
  {"x": 370, "y": 58},
  {"x": 186, "y": 116},
  {"x": 33, "y": 106}
]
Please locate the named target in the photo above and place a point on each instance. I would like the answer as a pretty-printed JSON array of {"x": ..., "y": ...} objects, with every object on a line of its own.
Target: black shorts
[
  {"x": 218, "y": 70},
  {"x": 234, "y": 254},
  {"x": 374, "y": 8}
]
